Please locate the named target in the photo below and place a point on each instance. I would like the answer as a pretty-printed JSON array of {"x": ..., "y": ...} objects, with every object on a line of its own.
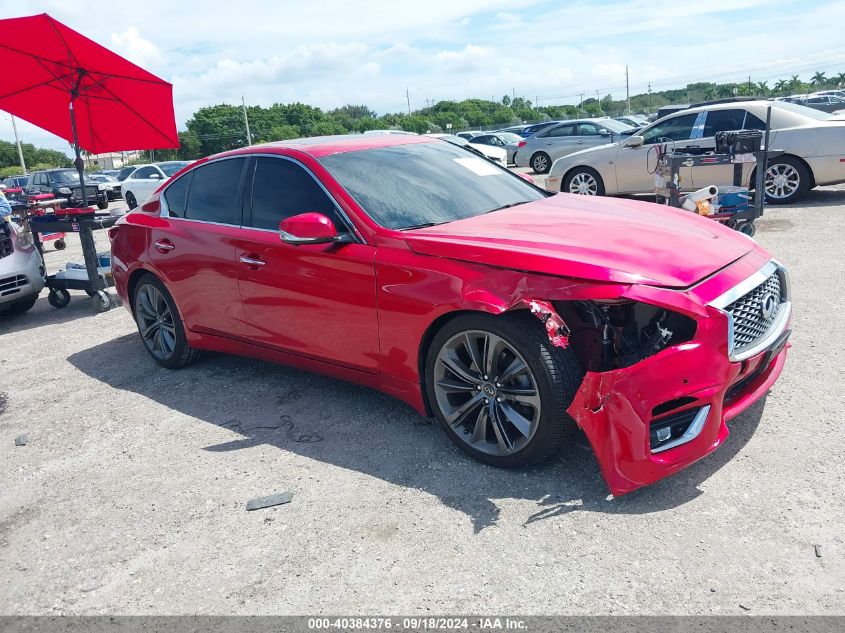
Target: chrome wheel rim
[
  {"x": 782, "y": 181},
  {"x": 487, "y": 393},
  {"x": 540, "y": 163},
  {"x": 155, "y": 322},
  {"x": 584, "y": 184}
]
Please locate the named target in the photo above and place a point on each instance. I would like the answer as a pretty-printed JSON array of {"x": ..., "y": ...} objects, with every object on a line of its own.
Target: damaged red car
[{"x": 511, "y": 315}]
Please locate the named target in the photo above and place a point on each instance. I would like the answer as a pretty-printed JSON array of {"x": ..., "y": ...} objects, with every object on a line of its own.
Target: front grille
[
  {"x": 12, "y": 285},
  {"x": 750, "y": 319}
]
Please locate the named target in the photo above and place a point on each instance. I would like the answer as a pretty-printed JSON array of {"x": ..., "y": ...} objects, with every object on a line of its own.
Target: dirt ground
[{"x": 129, "y": 497}]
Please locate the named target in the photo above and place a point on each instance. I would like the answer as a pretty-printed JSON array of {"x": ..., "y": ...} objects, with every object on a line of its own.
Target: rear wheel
[
  {"x": 541, "y": 163},
  {"x": 787, "y": 180},
  {"x": 160, "y": 325},
  {"x": 584, "y": 181},
  {"x": 103, "y": 204},
  {"x": 500, "y": 389},
  {"x": 130, "y": 200}
]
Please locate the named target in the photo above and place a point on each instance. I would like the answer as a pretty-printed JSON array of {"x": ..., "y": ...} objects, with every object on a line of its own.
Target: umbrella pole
[{"x": 80, "y": 166}]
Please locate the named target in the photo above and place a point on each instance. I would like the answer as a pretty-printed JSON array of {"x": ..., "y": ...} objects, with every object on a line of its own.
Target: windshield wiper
[
  {"x": 420, "y": 226},
  {"x": 507, "y": 206}
]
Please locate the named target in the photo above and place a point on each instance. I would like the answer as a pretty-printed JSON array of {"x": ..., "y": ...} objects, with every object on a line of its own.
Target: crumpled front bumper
[{"x": 615, "y": 408}]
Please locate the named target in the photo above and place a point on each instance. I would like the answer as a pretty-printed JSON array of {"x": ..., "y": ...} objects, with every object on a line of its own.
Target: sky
[{"x": 330, "y": 53}]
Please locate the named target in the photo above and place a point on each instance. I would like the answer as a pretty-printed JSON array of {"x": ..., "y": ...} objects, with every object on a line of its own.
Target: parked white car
[
  {"x": 813, "y": 145},
  {"x": 21, "y": 269},
  {"x": 498, "y": 155},
  {"x": 142, "y": 182}
]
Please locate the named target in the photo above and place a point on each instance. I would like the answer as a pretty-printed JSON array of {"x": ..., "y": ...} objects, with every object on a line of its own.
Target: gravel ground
[{"x": 129, "y": 496}]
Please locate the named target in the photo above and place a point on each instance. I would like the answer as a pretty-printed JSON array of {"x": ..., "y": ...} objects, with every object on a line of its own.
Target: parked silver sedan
[
  {"x": 813, "y": 145},
  {"x": 543, "y": 148},
  {"x": 507, "y": 140}
]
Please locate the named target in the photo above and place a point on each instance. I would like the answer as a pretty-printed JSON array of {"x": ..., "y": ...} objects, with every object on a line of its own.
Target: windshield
[
  {"x": 811, "y": 113},
  {"x": 64, "y": 176},
  {"x": 408, "y": 186},
  {"x": 615, "y": 126},
  {"x": 171, "y": 168},
  {"x": 509, "y": 137}
]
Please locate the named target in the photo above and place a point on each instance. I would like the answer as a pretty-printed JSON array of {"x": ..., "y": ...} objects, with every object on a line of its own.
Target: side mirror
[
  {"x": 634, "y": 141},
  {"x": 310, "y": 228},
  {"x": 155, "y": 176},
  {"x": 603, "y": 132}
]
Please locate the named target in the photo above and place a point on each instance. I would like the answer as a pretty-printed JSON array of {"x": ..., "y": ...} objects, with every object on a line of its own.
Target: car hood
[{"x": 601, "y": 239}]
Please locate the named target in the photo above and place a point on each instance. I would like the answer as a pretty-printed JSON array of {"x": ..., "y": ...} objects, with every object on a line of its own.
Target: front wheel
[
  {"x": 20, "y": 306},
  {"x": 103, "y": 204},
  {"x": 583, "y": 181},
  {"x": 500, "y": 389},
  {"x": 160, "y": 325},
  {"x": 130, "y": 200},
  {"x": 541, "y": 163}
]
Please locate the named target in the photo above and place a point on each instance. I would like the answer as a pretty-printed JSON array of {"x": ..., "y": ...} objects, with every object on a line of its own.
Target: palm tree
[
  {"x": 794, "y": 83},
  {"x": 781, "y": 85},
  {"x": 818, "y": 79},
  {"x": 840, "y": 79},
  {"x": 763, "y": 88}
]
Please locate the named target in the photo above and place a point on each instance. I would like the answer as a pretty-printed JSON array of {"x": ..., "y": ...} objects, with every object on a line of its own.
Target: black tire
[
  {"x": 556, "y": 372},
  {"x": 58, "y": 298},
  {"x": 579, "y": 172},
  {"x": 103, "y": 205},
  {"x": 130, "y": 200},
  {"x": 59, "y": 245},
  {"x": 747, "y": 228},
  {"x": 182, "y": 354},
  {"x": 788, "y": 165},
  {"x": 20, "y": 306},
  {"x": 101, "y": 300},
  {"x": 541, "y": 163}
]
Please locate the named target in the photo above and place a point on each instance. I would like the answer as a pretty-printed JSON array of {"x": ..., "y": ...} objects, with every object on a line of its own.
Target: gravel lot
[{"x": 130, "y": 495}]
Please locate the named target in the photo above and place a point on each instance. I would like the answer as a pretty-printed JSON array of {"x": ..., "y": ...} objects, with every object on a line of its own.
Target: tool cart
[
  {"x": 83, "y": 222},
  {"x": 739, "y": 208}
]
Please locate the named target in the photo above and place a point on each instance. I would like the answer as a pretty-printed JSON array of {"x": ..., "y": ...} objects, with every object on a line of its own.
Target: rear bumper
[{"x": 616, "y": 409}]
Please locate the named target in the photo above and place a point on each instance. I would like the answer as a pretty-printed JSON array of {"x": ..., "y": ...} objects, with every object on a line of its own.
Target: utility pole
[
  {"x": 649, "y": 97},
  {"x": 749, "y": 85},
  {"x": 246, "y": 122},
  {"x": 18, "y": 143},
  {"x": 581, "y": 103},
  {"x": 627, "y": 93},
  {"x": 513, "y": 93},
  {"x": 408, "y": 98}
]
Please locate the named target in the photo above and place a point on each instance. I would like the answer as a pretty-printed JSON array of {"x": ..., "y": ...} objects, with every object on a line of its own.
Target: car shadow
[
  {"x": 362, "y": 430},
  {"x": 42, "y": 313}
]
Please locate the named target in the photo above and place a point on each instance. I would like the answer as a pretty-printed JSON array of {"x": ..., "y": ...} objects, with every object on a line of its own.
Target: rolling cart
[
  {"x": 735, "y": 148},
  {"x": 83, "y": 224}
]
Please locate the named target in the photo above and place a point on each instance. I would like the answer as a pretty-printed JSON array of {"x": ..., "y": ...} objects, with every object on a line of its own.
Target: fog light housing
[{"x": 677, "y": 428}]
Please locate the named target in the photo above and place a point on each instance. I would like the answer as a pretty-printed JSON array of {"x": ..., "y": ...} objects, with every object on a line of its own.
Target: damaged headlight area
[{"x": 609, "y": 335}]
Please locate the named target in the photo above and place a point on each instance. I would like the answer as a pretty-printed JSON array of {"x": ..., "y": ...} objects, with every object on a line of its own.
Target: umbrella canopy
[{"x": 116, "y": 105}]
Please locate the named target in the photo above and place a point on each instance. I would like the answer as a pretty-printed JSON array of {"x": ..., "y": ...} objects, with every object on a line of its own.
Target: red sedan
[{"x": 511, "y": 315}]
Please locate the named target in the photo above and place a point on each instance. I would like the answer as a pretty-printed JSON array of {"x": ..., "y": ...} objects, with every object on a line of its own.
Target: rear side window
[
  {"x": 281, "y": 189},
  {"x": 678, "y": 128},
  {"x": 176, "y": 195},
  {"x": 723, "y": 121},
  {"x": 562, "y": 130},
  {"x": 214, "y": 195}
]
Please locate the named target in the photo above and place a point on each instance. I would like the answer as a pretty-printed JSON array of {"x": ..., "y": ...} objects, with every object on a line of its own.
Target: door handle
[
  {"x": 164, "y": 246},
  {"x": 252, "y": 261}
]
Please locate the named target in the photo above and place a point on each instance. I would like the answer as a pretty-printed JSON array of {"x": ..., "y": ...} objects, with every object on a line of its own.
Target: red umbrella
[{"x": 62, "y": 81}]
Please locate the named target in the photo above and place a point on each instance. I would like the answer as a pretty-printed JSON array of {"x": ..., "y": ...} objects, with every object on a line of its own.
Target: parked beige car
[{"x": 813, "y": 143}]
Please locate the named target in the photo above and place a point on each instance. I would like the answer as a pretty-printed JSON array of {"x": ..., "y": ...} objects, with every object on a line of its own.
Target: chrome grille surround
[{"x": 752, "y": 328}]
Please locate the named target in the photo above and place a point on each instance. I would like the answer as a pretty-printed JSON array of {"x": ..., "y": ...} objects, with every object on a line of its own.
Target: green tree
[
  {"x": 818, "y": 79},
  {"x": 781, "y": 85}
]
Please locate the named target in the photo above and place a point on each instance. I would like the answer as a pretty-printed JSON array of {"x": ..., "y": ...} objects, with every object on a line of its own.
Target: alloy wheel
[
  {"x": 584, "y": 184},
  {"x": 782, "y": 181},
  {"x": 540, "y": 164},
  {"x": 155, "y": 322},
  {"x": 486, "y": 392}
]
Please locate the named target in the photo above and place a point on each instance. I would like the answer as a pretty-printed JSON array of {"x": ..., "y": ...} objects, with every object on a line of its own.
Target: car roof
[{"x": 317, "y": 146}]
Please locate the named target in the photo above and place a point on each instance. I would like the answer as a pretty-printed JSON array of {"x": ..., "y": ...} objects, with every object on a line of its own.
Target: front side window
[
  {"x": 587, "y": 129},
  {"x": 678, "y": 128},
  {"x": 421, "y": 184},
  {"x": 561, "y": 130},
  {"x": 144, "y": 173},
  {"x": 281, "y": 189},
  {"x": 214, "y": 192}
]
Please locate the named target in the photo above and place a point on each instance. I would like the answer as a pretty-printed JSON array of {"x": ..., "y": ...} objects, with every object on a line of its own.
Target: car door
[
  {"x": 193, "y": 246},
  {"x": 41, "y": 183},
  {"x": 723, "y": 121},
  {"x": 590, "y": 135},
  {"x": 635, "y": 165},
  {"x": 556, "y": 141},
  {"x": 316, "y": 300},
  {"x": 145, "y": 181}
]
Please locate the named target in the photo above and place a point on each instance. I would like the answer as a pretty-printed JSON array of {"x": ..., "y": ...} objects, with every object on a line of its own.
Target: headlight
[
  {"x": 65, "y": 190},
  {"x": 101, "y": 187},
  {"x": 24, "y": 239}
]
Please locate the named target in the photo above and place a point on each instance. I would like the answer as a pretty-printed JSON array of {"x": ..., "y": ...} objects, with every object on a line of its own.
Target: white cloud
[{"x": 136, "y": 49}]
